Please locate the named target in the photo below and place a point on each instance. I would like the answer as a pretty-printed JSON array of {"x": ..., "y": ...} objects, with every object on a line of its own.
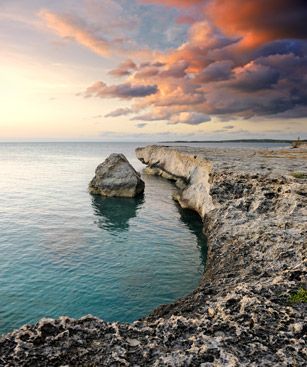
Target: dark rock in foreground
[
  {"x": 242, "y": 313},
  {"x": 116, "y": 177}
]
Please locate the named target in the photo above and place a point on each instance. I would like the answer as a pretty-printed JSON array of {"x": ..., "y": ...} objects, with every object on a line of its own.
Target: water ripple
[{"x": 65, "y": 252}]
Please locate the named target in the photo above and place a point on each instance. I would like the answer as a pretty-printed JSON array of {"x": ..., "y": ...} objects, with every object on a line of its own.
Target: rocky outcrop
[
  {"x": 189, "y": 171},
  {"x": 116, "y": 177},
  {"x": 242, "y": 313}
]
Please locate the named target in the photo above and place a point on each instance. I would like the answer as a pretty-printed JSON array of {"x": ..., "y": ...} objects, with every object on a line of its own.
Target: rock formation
[
  {"x": 246, "y": 310},
  {"x": 116, "y": 177}
]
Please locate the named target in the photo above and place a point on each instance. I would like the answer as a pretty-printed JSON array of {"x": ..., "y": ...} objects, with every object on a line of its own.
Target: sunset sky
[{"x": 146, "y": 70}]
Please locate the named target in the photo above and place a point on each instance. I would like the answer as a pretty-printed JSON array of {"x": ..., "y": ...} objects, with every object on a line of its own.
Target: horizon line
[{"x": 160, "y": 142}]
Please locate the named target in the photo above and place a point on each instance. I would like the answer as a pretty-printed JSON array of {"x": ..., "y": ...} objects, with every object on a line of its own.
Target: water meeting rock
[
  {"x": 116, "y": 177},
  {"x": 248, "y": 309}
]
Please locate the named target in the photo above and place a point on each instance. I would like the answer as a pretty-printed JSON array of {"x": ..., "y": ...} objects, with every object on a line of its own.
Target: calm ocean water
[{"x": 65, "y": 252}]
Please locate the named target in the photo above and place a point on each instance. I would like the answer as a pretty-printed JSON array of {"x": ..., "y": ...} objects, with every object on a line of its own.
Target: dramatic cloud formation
[
  {"x": 262, "y": 20},
  {"x": 240, "y": 59}
]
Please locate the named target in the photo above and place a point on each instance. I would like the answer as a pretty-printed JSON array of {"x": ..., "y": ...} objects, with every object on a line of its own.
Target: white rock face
[
  {"x": 190, "y": 172},
  {"x": 116, "y": 177}
]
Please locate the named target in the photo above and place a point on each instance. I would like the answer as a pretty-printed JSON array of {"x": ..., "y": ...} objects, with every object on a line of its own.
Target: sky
[{"x": 151, "y": 70}]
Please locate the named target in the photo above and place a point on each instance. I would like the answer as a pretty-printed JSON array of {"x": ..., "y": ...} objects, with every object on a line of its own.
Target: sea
[{"x": 66, "y": 252}]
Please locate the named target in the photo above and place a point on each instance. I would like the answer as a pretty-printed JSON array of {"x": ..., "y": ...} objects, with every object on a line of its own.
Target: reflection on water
[
  {"x": 193, "y": 221},
  {"x": 113, "y": 214},
  {"x": 115, "y": 258}
]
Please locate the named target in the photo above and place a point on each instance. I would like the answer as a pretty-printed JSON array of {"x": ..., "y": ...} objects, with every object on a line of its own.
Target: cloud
[
  {"x": 124, "y": 69},
  {"x": 282, "y": 47},
  {"x": 123, "y": 91},
  {"x": 176, "y": 70},
  {"x": 190, "y": 118},
  {"x": 141, "y": 125},
  {"x": 260, "y": 21},
  {"x": 216, "y": 71},
  {"x": 109, "y": 16},
  {"x": 253, "y": 76},
  {"x": 180, "y": 3},
  {"x": 161, "y": 70},
  {"x": 73, "y": 28},
  {"x": 147, "y": 71},
  {"x": 157, "y": 115},
  {"x": 239, "y": 59},
  {"x": 119, "y": 112},
  {"x": 103, "y": 31}
]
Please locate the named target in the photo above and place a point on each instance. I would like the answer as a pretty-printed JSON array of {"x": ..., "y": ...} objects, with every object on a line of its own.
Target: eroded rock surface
[
  {"x": 254, "y": 213},
  {"x": 116, "y": 177}
]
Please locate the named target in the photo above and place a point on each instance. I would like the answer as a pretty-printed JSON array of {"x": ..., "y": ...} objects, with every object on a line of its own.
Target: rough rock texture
[
  {"x": 116, "y": 177},
  {"x": 254, "y": 214}
]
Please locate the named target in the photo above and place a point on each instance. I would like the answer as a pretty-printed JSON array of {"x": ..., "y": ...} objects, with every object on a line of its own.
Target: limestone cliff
[
  {"x": 190, "y": 172},
  {"x": 253, "y": 204}
]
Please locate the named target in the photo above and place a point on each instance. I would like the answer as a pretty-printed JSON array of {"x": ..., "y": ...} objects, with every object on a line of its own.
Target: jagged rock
[
  {"x": 255, "y": 218},
  {"x": 116, "y": 177}
]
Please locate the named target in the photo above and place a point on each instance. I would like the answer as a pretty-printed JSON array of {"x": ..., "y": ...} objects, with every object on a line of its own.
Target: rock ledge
[{"x": 254, "y": 212}]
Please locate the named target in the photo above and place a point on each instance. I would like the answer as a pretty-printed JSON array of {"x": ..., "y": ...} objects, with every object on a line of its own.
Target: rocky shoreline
[{"x": 253, "y": 204}]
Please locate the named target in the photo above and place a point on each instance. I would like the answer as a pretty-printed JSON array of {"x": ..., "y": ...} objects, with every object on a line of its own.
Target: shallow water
[{"x": 65, "y": 252}]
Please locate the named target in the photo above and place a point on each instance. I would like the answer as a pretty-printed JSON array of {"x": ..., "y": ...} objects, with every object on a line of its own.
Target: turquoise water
[{"x": 65, "y": 252}]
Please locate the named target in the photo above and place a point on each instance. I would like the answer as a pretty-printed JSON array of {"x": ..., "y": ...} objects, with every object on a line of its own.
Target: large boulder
[{"x": 116, "y": 177}]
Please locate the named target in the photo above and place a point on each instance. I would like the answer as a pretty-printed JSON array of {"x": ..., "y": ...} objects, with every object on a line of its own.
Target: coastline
[{"x": 254, "y": 215}]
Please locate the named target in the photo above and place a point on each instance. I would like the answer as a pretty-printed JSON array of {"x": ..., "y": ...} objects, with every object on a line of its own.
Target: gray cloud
[
  {"x": 190, "y": 118},
  {"x": 216, "y": 71},
  {"x": 119, "y": 112},
  {"x": 177, "y": 70},
  {"x": 141, "y": 125},
  {"x": 124, "y": 91},
  {"x": 253, "y": 77},
  {"x": 146, "y": 72}
]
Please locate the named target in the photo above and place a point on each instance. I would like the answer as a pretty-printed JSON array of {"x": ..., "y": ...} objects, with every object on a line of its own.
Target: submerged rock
[{"x": 116, "y": 177}]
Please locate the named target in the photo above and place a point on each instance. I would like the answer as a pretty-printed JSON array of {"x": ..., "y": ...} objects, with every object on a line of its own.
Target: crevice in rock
[{"x": 255, "y": 218}]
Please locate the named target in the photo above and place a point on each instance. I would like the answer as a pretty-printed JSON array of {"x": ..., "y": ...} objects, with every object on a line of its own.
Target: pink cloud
[
  {"x": 69, "y": 28},
  {"x": 124, "y": 69},
  {"x": 237, "y": 60},
  {"x": 89, "y": 35}
]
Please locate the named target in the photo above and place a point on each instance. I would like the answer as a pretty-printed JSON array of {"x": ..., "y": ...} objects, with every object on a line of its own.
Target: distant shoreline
[{"x": 235, "y": 141}]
